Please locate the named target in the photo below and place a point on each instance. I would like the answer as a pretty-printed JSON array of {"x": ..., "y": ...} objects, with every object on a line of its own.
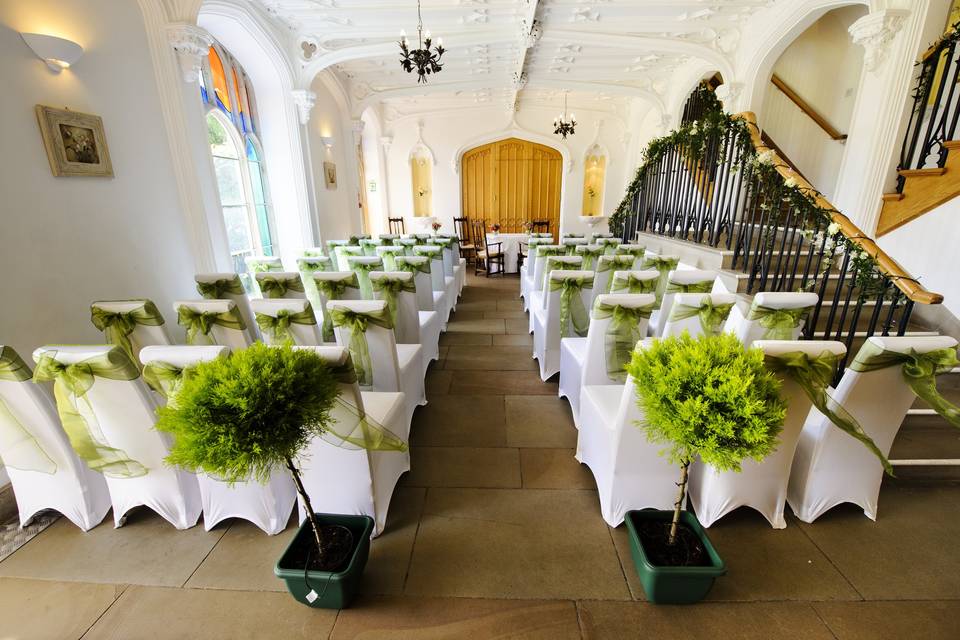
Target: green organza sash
[
  {"x": 370, "y": 247},
  {"x": 413, "y": 264},
  {"x": 332, "y": 248},
  {"x": 664, "y": 266},
  {"x": 779, "y": 323},
  {"x": 572, "y": 310},
  {"x": 217, "y": 289},
  {"x": 274, "y": 287},
  {"x": 636, "y": 252},
  {"x": 314, "y": 253},
  {"x": 552, "y": 263},
  {"x": 19, "y": 449},
  {"x": 614, "y": 263},
  {"x": 262, "y": 266},
  {"x": 306, "y": 266},
  {"x": 333, "y": 290},
  {"x": 610, "y": 245},
  {"x": 390, "y": 288},
  {"x": 357, "y": 322},
  {"x": 363, "y": 269},
  {"x": 70, "y": 385},
  {"x": 200, "y": 323},
  {"x": 590, "y": 256},
  {"x": 632, "y": 284},
  {"x": 278, "y": 327},
  {"x": 690, "y": 287},
  {"x": 390, "y": 258},
  {"x": 164, "y": 378},
  {"x": 12, "y": 367},
  {"x": 813, "y": 375},
  {"x": 118, "y": 325},
  {"x": 920, "y": 371},
  {"x": 621, "y": 336},
  {"x": 712, "y": 316}
]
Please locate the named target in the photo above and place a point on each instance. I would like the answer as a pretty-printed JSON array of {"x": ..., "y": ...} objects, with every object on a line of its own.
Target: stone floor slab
[
  {"x": 476, "y": 326},
  {"x": 514, "y": 339},
  {"x": 460, "y": 421},
  {"x": 463, "y": 467},
  {"x": 462, "y": 357},
  {"x": 500, "y": 383},
  {"x": 553, "y": 469},
  {"x": 41, "y": 609},
  {"x": 539, "y": 422},
  {"x": 891, "y": 620}
]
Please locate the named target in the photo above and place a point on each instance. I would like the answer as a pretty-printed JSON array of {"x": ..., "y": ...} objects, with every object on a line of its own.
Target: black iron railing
[
  {"x": 699, "y": 103},
  {"x": 724, "y": 188},
  {"x": 936, "y": 108}
]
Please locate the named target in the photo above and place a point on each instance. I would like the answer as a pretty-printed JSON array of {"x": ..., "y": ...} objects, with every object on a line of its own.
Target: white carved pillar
[
  {"x": 729, "y": 94},
  {"x": 191, "y": 43},
  {"x": 305, "y": 100},
  {"x": 891, "y": 39},
  {"x": 385, "y": 143}
]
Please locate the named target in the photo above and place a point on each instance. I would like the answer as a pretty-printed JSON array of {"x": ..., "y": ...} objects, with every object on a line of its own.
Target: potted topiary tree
[
  {"x": 705, "y": 397},
  {"x": 244, "y": 415}
]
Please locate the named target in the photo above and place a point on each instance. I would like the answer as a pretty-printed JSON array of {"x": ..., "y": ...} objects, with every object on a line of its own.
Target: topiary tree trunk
[
  {"x": 678, "y": 505},
  {"x": 311, "y": 516}
]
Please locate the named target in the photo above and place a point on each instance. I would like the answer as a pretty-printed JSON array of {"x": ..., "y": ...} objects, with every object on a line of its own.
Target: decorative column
[
  {"x": 305, "y": 100},
  {"x": 729, "y": 94},
  {"x": 191, "y": 43},
  {"x": 385, "y": 143},
  {"x": 891, "y": 39}
]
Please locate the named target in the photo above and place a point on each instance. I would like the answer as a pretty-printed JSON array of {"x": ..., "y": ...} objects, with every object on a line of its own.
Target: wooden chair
[
  {"x": 487, "y": 254},
  {"x": 396, "y": 225},
  {"x": 541, "y": 226},
  {"x": 468, "y": 246}
]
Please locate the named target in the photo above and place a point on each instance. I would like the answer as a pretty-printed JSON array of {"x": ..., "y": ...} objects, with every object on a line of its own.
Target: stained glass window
[{"x": 242, "y": 183}]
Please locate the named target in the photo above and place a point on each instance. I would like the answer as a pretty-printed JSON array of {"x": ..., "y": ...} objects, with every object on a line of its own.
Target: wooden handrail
[
  {"x": 900, "y": 278},
  {"x": 804, "y": 106}
]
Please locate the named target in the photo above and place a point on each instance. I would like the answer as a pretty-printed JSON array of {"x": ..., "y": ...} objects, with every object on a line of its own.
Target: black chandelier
[
  {"x": 423, "y": 59},
  {"x": 560, "y": 125}
]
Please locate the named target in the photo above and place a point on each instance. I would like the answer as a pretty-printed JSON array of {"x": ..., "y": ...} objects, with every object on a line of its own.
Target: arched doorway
[{"x": 511, "y": 181}]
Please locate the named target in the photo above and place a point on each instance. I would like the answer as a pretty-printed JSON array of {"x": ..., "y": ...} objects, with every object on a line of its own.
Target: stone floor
[{"x": 496, "y": 533}]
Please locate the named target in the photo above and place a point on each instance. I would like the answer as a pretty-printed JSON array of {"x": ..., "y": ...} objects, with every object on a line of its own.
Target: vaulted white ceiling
[{"x": 602, "y": 53}]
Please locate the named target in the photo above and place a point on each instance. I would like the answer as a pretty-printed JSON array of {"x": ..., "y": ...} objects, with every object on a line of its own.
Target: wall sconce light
[
  {"x": 327, "y": 141},
  {"x": 58, "y": 53}
]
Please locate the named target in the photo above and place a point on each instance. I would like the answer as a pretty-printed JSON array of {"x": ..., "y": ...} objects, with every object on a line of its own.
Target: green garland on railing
[{"x": 693, "y": 139}]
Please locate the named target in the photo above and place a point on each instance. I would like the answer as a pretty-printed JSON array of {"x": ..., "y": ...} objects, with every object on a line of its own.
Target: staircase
[{"x": 719, "y": 197}]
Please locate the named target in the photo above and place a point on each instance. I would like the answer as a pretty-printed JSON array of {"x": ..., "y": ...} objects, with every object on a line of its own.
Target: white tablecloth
[{"x": 509, "y": 246}]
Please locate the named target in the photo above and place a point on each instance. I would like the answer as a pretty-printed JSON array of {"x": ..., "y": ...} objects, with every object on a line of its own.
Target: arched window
[{"x": 228, "y": 96}]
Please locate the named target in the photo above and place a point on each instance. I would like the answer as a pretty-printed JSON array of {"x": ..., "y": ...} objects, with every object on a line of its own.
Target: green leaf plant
[{"x": 706, "y": 397}]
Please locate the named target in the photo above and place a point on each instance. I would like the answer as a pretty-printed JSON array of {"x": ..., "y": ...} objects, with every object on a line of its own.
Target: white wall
[
  {"x": 448, "y": 133},
  {"x": 69, "y": 241},
  {"x": 823, "y": 67},
  {"x": 337, "y": 211},
  {"x": 927, "y": 247}
]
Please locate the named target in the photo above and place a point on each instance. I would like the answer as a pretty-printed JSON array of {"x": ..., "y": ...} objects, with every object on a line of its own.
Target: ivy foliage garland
[{"x": 694, "y": 140}]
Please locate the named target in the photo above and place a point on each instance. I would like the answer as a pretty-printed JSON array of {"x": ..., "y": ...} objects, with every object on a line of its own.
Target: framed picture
[
  {"x": 330, "y": 175},
  {"x": 75, "y": 142}
]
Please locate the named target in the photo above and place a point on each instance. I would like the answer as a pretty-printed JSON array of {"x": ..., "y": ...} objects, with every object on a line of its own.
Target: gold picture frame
[
  {"x": 75, "y": 142},
  {"x": 330, "y": 175}
]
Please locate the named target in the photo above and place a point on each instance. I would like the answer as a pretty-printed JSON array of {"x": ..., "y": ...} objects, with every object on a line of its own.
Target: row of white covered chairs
[
  {"x": 815, "y": 467},
  {"x": 104, "y": 451}
]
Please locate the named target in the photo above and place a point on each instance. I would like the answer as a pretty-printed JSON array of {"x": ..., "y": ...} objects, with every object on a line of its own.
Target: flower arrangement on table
[
  {"x": 495, "y": 227},
  {"x": 435, "y": 226},
  {"x": 528, "y": 226}
]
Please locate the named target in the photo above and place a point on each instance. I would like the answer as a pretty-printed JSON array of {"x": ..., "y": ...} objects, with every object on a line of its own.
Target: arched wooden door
[{"x": 511, "y": 181}]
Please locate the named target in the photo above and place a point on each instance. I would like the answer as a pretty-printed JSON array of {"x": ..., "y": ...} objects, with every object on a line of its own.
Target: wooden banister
[
  {"x": 804, "y": 106},
  {"x": 900, "y": 278}
]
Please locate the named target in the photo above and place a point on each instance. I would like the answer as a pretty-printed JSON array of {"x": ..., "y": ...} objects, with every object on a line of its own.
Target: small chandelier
[
  {"x": 423, "y": 59},
  {"x": 561, "y": 126}
]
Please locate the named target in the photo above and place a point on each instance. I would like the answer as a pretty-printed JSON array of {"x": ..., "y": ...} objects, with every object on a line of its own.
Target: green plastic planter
[
  {"x": 673, "y": 585},
  {"x": 334, "y": 590}
]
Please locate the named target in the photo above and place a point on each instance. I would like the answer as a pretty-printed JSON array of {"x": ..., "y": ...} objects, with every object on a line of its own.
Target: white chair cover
[
  {"x": 749, "y": 330},
  {"x": 268, "y": 506},
  {"x": 621, "y": 280},
  {"x": 573, "y": 242},
  {"x": 629, "y": 470},
  {"x": 121, "y": 414},
  {"x": 362, "y": 266},
  {"x": 389, "y": 254},
  {"x": 395, "y": 367},
  {"x": 444, "y": 298},
  {"x": 596, "y": 234},
  {"x": 356, "y": 481},
  {"x": 830, "y": 467},
  {"x": 143, "y": 335},
  {"x": 583, "y": 360},
  {"x": 675, "y": 326},
  {"x": 423, "y": 280},
  {"x": 679, "y": 281},
  {"x": 307, "y": 266},
  {"x": 345, "y": 251},
  {"x": 258, "y": 264},
  {"x": 219, "y": 334},
  {"x": 231, "y": 288},
  {"x": 760, "y": 485},
  {"x": 636, "y": 250},
  {"x": 412, "y": 326},
  {"x": 304, "y": 332},
  {"x": 526, "y": 269},
  {"x": 537, "y": 297},
  {"x": 370, "y": 246},
  {"x": 532, "y": 279},
  {"x": 44, "y": 470},
  {"x": 610, "y": 244},
  {"x": 606, "y": 267},
  {"x": 350, "y": 292},
  {"x": 546, "y": 330}
]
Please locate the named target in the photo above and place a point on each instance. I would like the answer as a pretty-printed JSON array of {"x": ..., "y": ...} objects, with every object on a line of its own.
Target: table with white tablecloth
[{"x": 509, "y": 247}]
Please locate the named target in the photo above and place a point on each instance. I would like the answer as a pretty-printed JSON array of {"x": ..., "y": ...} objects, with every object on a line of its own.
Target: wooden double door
[{"x": 511, "y": 181}]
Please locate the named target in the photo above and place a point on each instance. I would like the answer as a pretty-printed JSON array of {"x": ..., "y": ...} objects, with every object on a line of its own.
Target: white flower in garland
[
  {"x": 766, "y": 157},
  {"x": 833, "y": 228},
  {"x": 790, "y": 182}
]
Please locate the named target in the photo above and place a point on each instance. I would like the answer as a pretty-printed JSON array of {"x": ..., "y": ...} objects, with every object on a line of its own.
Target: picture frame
[
  {"x": 330, "y": 175},
  {"x": 75, "y": 142}
]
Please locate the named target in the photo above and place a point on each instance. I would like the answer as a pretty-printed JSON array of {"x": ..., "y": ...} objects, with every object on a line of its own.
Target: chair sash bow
[
  {"x": 278, "y": 327},
  {"x": 621, "y": 336},
  {"x": 779, "y": 323},
  {"x": 572, "y": 310},
  {"x": 813, "y": 375},
  {"x": 217, "y": 289},
  {"x": 390, "y": 288},
  {"x": 358, "y": 322},
  {"x": 118, "y": 325},
  {"x": 70, "y": 385},
  {"x": 633, "y": 284},
  {"x": 274, "y": 287},
  {"x": 200, "y": 323},
  {"x": 712, "y": 316}
]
